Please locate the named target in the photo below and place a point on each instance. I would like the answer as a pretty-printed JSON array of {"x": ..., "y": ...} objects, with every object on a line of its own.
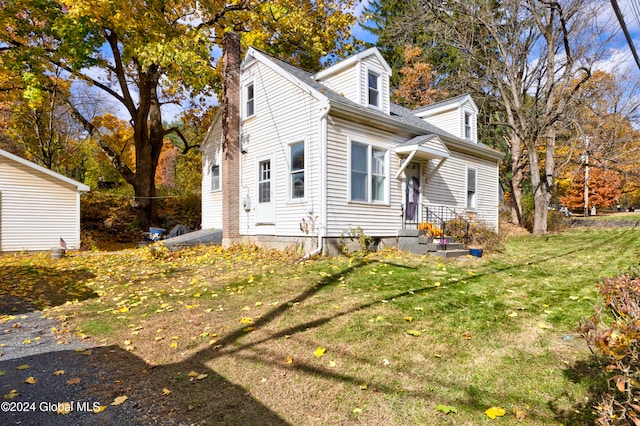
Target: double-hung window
[
  {"x": 373, "y": 85},
  {"x": 472, "y": 187},
  {"x": 297, "y": 170},
  {"x": 249, "y": 100},
  {"x": 467, "y": 125},
  {"x": 215, "y": 177},
  {"x": 369, "y": 173}
]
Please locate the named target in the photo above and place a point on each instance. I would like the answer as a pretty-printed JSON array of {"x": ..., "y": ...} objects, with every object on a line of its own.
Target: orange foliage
[
  {"x": 417, "y": 78},
  {"x": 604, "y": 189},
  {"x": 166, "y": 173}
]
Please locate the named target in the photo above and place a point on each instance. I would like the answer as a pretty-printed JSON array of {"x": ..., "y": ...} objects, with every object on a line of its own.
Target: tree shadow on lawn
[
  {"x": 30, "y": 288},
  {"x": 100, "y": 375},
  {"x": 230, "y": 345}
]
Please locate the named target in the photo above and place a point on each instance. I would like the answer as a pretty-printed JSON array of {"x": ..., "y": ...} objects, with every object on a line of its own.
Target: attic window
[
  {"x": 467, "y": 125},
  {"x": 373, "y": 83}
]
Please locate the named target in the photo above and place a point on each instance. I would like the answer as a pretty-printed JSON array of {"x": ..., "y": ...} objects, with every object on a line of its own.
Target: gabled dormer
[
  {"x": 362, "y": 78},
  {"x": 458, "y": 116}
]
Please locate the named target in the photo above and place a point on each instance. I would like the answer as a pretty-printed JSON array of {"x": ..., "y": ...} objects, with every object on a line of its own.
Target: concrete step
[
  {"x": 449, "y": 253},
  {"x": 448, "y": 246}
]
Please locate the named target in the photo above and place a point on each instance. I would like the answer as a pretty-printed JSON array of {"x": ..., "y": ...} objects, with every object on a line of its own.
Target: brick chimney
[{"x": 230, "y": 139}]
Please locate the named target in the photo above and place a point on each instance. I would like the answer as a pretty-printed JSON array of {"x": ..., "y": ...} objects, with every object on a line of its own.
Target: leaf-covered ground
[{"x": 249, "y": 336}]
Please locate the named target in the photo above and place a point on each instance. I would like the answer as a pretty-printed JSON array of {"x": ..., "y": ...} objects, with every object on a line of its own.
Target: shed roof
[{"x": 79, "y": 186}]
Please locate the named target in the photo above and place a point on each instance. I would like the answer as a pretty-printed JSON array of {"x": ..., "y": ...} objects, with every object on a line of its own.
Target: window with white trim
[
  {"x": 249, "y": 100},
  {"x": 472, "y": 187},
  {"x": 215, "y": 177},
  {"x": 264, "y": 181},
  {"x": 297, "y": 170},
  {"x": 467, "y": 126},
  {"x": 368, "y": 173},
  {"x": 373, "y": 85}
]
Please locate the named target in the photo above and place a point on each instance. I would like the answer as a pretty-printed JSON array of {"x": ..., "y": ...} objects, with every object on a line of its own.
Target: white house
[
  {"x": 37, "y": 206},
  {"x": 322, "y": 154}
]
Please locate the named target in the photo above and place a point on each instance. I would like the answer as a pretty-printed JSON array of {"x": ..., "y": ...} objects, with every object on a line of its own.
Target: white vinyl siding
[
  {"x": 378, "y": 218},
  {"x": 448, "y": 121},
  {"x": 36, "y": 210},
  {"x": 293, "y": 116},
  {"x": 211, "y": 200},
  {"x": 343, "y": 83}
]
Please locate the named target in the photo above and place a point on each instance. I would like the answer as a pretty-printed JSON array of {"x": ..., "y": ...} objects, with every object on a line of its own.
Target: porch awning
[{"x": 424, "y": 147}]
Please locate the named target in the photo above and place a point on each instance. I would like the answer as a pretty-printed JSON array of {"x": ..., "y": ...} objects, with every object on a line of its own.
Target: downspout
[{"x": 325, "y": 107}]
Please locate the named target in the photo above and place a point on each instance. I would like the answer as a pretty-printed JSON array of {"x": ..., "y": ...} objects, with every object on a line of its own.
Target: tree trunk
[{"x": 517, "y": 176}]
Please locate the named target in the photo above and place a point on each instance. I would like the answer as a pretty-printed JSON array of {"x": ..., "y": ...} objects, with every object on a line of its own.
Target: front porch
[{"x": 438, "y": 231}]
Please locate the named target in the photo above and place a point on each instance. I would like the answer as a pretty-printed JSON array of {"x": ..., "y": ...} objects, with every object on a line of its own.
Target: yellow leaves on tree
[
  {"x": 416, "y": 88},
  {"x": 119, "y": 135}
]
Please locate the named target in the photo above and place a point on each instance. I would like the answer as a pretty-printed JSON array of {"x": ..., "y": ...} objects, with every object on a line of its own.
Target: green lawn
[{"x": 404, "y": 336}]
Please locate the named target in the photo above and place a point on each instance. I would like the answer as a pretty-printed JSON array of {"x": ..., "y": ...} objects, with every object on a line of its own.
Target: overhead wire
[{"x": 625, "y": 30}]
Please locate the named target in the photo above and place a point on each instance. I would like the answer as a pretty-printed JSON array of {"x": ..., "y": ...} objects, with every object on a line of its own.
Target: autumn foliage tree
[
  {"x": 600, "y": 136},
  {"x": 142, "y": 55},
  {"x": 416, "y": 87},
  {"x": 604, "y": 189}
]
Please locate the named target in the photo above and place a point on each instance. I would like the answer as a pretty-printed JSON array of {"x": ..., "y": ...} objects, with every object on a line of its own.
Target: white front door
[{"x": 266, "y": 208}]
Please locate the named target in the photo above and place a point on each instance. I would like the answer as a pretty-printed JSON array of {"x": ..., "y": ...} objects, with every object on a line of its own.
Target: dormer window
[
  {"x": 373, "y": 82},
  {"x": 467, "y": 126}
]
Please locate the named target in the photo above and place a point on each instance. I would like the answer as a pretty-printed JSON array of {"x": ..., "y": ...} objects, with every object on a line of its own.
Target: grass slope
[{"x": 392, "y": 339}]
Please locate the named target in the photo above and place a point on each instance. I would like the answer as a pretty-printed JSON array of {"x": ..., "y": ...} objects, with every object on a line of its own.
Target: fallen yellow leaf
[
  {"x": 246, "y": 321},
  {"x": 30, "y": 380},
  {"x": 12, "y": 394},
  {"x": 23, "y": 367},
  {"x": 193, "y": 374},
  {"x": 289, "y": 360},
  {"x": 63, "y": 408},
  {"x": 494, "y": 412},
  {"x": 58, "y": 372},
  {"x": 201, "y": 376},
  {"x": 99, "y": 409},
  {"x": 166, "y": 391},
  {"x": 119, "y": 400},
  {"x": 319, "y": 352}
]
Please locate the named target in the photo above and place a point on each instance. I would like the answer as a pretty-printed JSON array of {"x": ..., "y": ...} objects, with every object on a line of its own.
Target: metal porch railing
[{"x": 440, "y": 221}]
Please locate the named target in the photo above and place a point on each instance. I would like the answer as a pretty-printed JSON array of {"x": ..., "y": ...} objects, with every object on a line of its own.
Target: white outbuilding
[{"x": 38, "y": 207}]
